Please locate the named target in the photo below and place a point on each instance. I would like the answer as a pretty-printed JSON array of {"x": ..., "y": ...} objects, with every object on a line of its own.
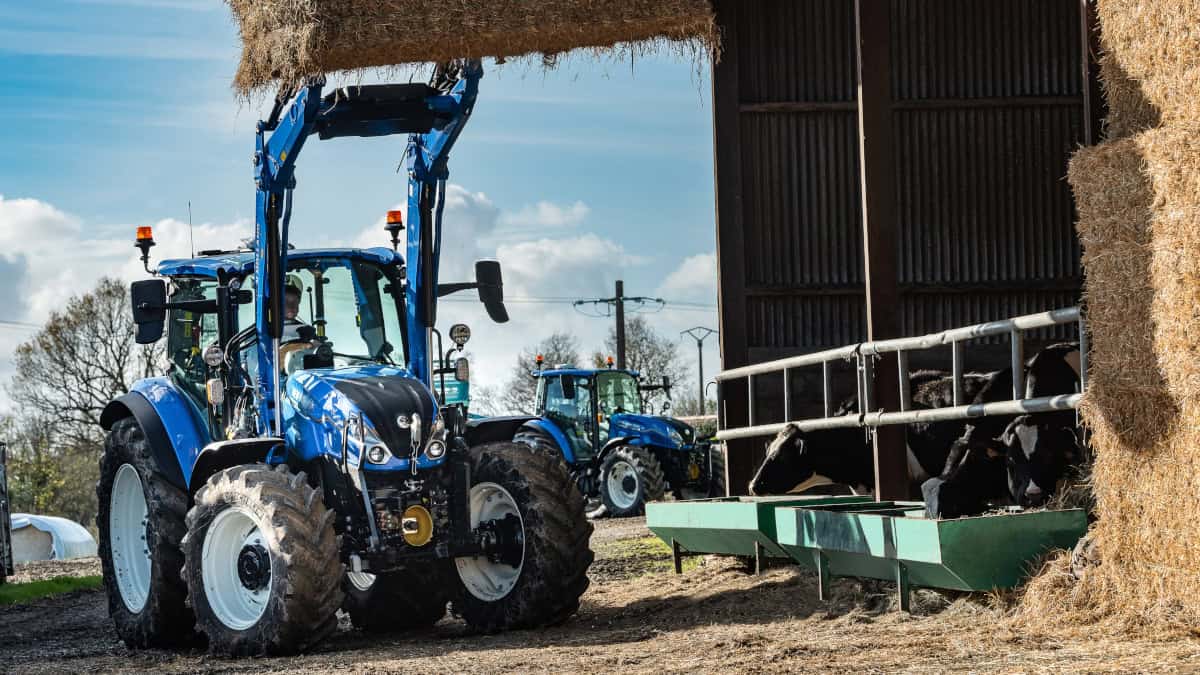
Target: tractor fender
[
  {"x": 170, "y": 422},
  {"x": 136, "y": 406},
  {"x": 551, "y": 429},
  {"x": 613, "y": 444},
  {"x": 494, "y": 429},
  {"x": 225, "y": 454}
]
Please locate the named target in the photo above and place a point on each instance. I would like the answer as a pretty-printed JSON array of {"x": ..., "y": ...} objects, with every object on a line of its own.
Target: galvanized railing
[{"x": 864, "y": 354}]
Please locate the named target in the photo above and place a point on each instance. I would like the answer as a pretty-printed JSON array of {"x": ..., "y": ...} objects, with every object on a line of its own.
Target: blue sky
[{"x": 115, "y": 113}]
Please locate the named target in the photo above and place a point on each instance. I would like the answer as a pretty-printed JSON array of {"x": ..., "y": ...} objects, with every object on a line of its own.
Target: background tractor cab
[
  {"x": 620, "y": 456},
  {"x": 300, "y": 456}
]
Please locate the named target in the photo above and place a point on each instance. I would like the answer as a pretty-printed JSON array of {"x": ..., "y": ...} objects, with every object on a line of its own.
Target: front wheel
[
  {"x": 629, "y": 478},
  {"x": 528, "y": 516},
  {"x": 263, "y": 567}
]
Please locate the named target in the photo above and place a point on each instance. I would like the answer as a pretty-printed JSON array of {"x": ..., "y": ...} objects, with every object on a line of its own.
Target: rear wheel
[
  {"x": 263, "y": 568},
  {"x": 629, "y": 478},
  {"x": 414, "y": 597},
  {"x": 716, "y": 478},
  {"x": 530, "y": 518},
  {"x": 141, "y": 523}
]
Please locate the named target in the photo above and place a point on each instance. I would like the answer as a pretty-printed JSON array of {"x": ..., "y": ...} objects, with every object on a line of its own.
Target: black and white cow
[
  {"x": 960, "y": 467},
  {"x": 1021, "y": 463}
]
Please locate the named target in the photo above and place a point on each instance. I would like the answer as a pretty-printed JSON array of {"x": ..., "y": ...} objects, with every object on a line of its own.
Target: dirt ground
[{"x": 637, "y": 617}]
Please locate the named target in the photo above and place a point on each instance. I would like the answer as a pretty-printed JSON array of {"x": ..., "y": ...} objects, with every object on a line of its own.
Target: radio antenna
[{"x": 191, "y": 235}]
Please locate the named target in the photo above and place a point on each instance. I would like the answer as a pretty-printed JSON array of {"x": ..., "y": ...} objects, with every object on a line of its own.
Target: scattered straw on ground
[{"x": 286, "y": 40}]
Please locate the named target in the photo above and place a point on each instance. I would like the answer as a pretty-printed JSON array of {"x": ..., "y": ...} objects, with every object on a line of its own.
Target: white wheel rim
[
  {"x": 232, "y": 602},
  {"x": 490, "y": 581},
  {"x": 127, "y": 538},
  {"x": 362, "y": 581},
  {"x": 621, "y": 497}
]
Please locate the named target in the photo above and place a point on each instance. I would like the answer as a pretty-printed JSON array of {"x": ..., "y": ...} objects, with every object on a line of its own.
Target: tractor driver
[{"x": 294, "y": 343}]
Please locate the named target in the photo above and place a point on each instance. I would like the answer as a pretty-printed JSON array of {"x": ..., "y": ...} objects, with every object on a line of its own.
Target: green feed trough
[{"x": 854, "y": 536}]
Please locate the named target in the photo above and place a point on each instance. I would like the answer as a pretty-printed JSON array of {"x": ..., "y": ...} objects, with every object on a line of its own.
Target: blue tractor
[
  {"x": 619, "y": 457},
  {"x": 296, "y": 459}
]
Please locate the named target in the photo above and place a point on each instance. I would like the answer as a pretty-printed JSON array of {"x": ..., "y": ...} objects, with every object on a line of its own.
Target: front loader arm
[{"x": 433, "y": 116}]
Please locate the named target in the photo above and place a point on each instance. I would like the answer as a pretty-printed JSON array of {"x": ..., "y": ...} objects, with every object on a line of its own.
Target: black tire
[
  {"x": 557, "y": 553},
  {"x": 717, "y": 478},
  {"x": 164, "y": 620},
  {"x": 305, "y": 569},
  {"x": 650, "y": 482},
  {"x": 415, "y": 597}
]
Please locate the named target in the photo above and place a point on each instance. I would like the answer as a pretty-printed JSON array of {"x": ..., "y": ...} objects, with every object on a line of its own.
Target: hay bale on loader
[
  {"x": 1138, "y": 196},
  {"x": 287, "y": 40}
]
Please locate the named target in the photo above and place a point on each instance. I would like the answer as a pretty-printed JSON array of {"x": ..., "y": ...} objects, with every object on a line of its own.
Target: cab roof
[
  {"x": 581, "y": 372},
  {"x": 242, "y": 262}
]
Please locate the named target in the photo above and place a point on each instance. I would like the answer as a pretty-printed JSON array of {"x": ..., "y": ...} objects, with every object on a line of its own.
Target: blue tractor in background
[
  {"x": 620, "y": 457},
  {"x": 296, "y": 459}
]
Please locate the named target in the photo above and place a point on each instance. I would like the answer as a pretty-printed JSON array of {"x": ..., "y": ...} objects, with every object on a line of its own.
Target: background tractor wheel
[
  {"x": 629, "y": 478},
  {"x": 716, "y": 481},
  {"x": 263, "y": 562},
  {"x": 141, "y": 523},
  {"x": 526, "y": 501},
  {"x": 414, "y": 597}
]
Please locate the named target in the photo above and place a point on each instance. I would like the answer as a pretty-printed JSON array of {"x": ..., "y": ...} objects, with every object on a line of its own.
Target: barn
[{"x": 892, "y": 168}]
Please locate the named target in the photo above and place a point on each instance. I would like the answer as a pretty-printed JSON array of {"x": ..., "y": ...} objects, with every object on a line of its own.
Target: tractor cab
[{"x": 620, "y": 453}]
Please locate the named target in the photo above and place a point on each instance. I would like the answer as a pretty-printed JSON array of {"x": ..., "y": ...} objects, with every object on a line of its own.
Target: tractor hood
[
  {"x": 652, "y": 430},
  {"x": 319, "y": 403}
]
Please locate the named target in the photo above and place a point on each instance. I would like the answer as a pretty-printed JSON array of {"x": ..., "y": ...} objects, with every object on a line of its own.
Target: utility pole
[
  {"x": 700, "y": 334},
  {"x": 618, "y": 301}
]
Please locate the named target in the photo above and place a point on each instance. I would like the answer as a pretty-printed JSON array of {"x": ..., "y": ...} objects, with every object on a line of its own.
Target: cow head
[
  {"x": 1053, "y": 371},
  {"x": 974, "y": 479},
  {"x": 785, "y": 465},
  {"x": 1039, "y": 452}
]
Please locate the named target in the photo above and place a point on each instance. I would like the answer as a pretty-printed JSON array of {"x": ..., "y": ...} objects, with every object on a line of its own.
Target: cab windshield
[
  {"x": 349, "y": 309},
  {"x": 617, "y": 392}
]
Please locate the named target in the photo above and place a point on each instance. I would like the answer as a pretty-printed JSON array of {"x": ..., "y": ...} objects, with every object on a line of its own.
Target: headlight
[
  {"x": 436, "y": 446},
  {"x": 372, "y": 448},
  {"x": 435, "y": 449},
  {"x": 378, "y": 454},
  {"x": 676, "y": 437}
]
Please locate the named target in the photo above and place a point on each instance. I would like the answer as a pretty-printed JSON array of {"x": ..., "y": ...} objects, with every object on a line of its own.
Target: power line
[{"x": 618, "y": 302}]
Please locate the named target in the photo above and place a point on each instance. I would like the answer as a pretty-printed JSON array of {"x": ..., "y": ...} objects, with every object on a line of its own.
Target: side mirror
[
  {"x": 462, "y": 370},
  {"x": 149, "y": 300},
  {"x": 568, "y": 387},
  {"x": 491, "y": 289},
  {"x": 666, "y": 385}
]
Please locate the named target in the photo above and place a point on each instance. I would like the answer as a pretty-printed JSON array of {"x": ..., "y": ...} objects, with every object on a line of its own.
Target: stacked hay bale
[
  {"x": 286, "y": 40},
  {"x": 1138, "y": 196}
]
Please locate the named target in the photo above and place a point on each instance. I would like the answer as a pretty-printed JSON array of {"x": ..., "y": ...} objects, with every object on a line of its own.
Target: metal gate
[{"x": 864, "y": 355}]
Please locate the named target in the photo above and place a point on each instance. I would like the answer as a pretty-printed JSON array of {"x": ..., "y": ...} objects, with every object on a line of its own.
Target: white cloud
[
  {"x": 545, "y": 215},
  {"x": 695, "y": 280},
  {"x": 47, "y": 256}
]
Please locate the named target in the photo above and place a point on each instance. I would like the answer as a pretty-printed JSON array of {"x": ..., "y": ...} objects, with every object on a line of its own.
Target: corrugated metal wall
[
  {"x": 989, "y": 106},
  {"x": 989, "y": 99}
]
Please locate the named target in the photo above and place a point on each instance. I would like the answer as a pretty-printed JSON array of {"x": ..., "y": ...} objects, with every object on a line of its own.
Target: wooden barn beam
[
  {"x": 743, "y": 456},
  {"x": 880, "y": 240}
]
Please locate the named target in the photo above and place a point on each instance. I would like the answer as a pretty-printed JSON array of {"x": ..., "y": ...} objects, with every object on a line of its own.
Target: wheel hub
[
  {"x": 629, "y": 484},
  {"x": 503, "y": 540},
  {"x": 254, "y": 567}
]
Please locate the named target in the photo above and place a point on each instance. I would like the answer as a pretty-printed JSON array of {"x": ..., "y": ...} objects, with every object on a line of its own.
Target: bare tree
[
  {"x": 82, "y": 358},
  {"x": 520, "y": 394},
  {"x": 646, "y": 351}
]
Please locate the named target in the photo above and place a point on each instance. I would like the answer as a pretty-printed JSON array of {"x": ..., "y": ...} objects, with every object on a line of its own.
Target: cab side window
[{"x": 188, "y": 333}]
